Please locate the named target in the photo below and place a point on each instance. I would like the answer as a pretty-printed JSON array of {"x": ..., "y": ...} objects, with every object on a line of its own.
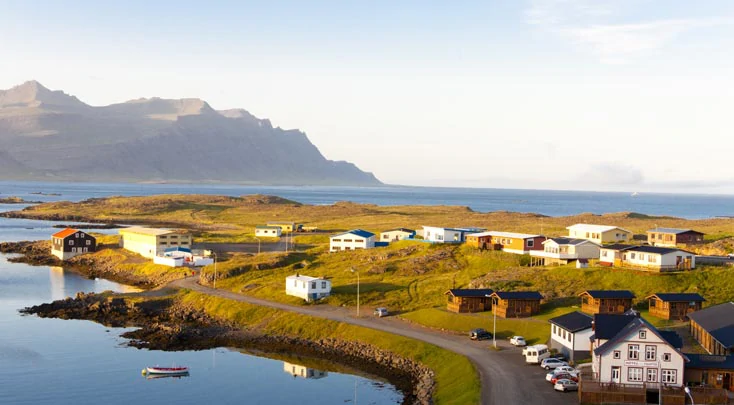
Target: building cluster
[
  {"x": 164, "y": 246},
  {"x": 608, "y": 245}
]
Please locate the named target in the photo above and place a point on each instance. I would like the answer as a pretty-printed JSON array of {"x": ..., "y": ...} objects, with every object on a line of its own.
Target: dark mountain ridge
[{"x": 50, "y": 135}]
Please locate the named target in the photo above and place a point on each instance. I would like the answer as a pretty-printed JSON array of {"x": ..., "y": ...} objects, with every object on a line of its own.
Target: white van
[{"x": 536, "y": 353}]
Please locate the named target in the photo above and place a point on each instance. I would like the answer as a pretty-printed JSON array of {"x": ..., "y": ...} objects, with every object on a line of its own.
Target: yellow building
[
  {"x": 149, "y": 242},
  {"x": 285, "y": 227}
]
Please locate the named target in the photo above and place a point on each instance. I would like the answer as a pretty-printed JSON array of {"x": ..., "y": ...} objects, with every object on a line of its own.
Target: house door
[
  {"x": 314, "y": 296},
  {"x": 616, "y": 372},
  {"x": 727, "y": 382}
]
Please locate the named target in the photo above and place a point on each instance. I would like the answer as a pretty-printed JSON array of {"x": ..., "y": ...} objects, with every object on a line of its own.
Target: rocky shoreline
[{"x": 166, "y": 324}]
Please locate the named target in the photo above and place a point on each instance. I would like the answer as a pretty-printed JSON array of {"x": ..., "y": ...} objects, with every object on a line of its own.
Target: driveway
[{"x": 505, "y": 377}]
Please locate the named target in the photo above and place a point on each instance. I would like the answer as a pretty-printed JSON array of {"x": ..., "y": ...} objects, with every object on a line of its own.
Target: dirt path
[{"x": 505, "y": 378}]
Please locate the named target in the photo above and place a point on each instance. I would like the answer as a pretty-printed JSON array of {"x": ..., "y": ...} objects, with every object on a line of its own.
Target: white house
[
  {"x": 566, "y": 250},
  {"x": 352, "y": 240},
  {"x": 308, "y": 288},
  {"x": 659, "y": 258},
  {"x": 297, "y": 370},
  {"x": 611, "y": 255},
  {"x": 448, "y": 235},
  {"x": 599, "y": 233},
  {"x": 268, "y": 231},
  {"x": 396, "y": 234},
  {"x": 570, "y": 335},
  {"x": 627, "y": 349}
]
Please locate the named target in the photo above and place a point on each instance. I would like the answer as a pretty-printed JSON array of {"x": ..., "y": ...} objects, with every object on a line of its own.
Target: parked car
[
  {"x": 517, "y": 341},
  {"x": 551, "y": 363},
  {"x": 479, "y": 334},
  {"x": 564, "y": 376},
  {"x": 535, "y": 354},
  {"x": 566, "y": 385},
  {"x": 561, "y": 370},
  {"x": 380, "y": 312}
]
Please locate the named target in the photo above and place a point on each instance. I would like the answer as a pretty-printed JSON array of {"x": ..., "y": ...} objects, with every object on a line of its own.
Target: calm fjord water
[
  {"x": 546, "y": 202},
  {"x": 53, "y": 361}
]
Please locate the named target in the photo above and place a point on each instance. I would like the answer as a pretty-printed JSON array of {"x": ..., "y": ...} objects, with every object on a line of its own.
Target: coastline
[{"x": 168, "y": 323}]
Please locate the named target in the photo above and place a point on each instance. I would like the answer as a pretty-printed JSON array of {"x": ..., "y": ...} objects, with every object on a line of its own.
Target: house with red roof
[{"x": 72, "y": 242}]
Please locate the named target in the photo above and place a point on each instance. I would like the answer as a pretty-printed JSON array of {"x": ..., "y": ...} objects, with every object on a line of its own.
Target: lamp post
[
  {"x": 215, "y": 269},
  {"x": 494, "y": 322},
  {"x": 688, "y": 391},
  {"x": 356, "y": 271},
  {"x": 258, "y": 244}
]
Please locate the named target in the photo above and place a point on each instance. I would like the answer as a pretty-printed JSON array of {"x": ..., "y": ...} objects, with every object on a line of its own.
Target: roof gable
[
  {"x": 606, "y": 326},
  {"x": 718, "y": 321},
  {"x": 677, "y": 297},
  {"x": 469, "y": 292},
  {"x": 609, "y": 294},
  {"x": 632, "y": 327},
  {"x": 675, "y": 231},
  {"x": 66, "y": 232},
  {"x": 518, "y": 295},
  {"x": 569, "y": 241}
]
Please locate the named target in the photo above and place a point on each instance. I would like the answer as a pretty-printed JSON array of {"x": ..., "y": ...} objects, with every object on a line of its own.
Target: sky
[{"x": 605, "y": 95}]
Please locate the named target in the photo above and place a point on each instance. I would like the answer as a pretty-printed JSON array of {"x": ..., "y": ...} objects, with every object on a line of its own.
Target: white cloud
[{"x": 587, "y": 23}]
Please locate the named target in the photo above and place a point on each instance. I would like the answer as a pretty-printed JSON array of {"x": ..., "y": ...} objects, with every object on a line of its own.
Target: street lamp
[
  {"x": 356, "y": 271},
  {"x": 258, "y": 244},
  {"x": 215, "y": 269},
  {"x": 494, "y": 322},
  {"x": 688, "y": 391}
]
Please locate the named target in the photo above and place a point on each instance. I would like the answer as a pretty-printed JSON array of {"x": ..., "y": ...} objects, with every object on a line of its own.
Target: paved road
[{"x": 505, "y": 377}]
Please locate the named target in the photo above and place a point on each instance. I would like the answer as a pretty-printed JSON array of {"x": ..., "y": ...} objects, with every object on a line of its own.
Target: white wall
[
  {"x": 586, "y": 251},
  {"x": 441, "y": 235},
  {"x": 604, "y": 364},
  {"x": 304, "y": 288},
  {"x": 667, "y": 260},
  {"x": 268, "y": 233},
  {"x": 393, "y": 235},
  {"x": 350, "y": 241},
  {"x": 169, "y": 261}
]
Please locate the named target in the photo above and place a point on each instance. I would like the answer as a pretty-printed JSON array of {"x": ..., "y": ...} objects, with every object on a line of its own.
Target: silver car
[{"x": 566, "y": 385}]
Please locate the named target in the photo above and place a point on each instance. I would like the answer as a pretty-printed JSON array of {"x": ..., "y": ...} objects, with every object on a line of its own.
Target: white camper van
[{"x": 536, "y": 353}]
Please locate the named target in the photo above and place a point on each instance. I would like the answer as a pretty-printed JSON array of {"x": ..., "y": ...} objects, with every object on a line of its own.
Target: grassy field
[{"x": 456, "y": 380}]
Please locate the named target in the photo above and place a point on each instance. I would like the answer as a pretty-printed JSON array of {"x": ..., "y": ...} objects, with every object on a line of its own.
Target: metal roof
[
  {"x": 707, "y": 361},
  {"x": 633, "y": 325},
  {"x": 718, "y": 321},
  {"x": 609, "y": 294},
  {"x": 617, "y": 246},
  {"x": 573, "y": 321},
  {"x": 406, "y": 230},
  {"x": 569, "y": 241},
  {"x": 677, "y": 297},
  {"x": 672, "y": 230},
  {"x": 518, "y": 295},
  {"x": 506, "y": 235},
  {"x": 359, "y": 232},
  {"x": 177, "y": 249},
  {"x": 66, "y": 232},
  {"x": 606, "y": 326},
  {"x": 596, "y": 228},
  {"x": 469, "y": 292},
  {"x": 657, "y": 250},
  {"x": 146, "y": 231}
]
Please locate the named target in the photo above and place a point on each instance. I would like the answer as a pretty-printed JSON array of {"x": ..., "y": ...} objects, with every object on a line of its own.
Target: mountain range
[{"x": 50, "y": 135}]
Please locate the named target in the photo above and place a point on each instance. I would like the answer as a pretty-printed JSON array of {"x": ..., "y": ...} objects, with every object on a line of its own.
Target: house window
[
  {"x": 617, "y": 354},
  {"x": 642, "y": 256},
  {"x": 89, "y": 242},
  {"x": 643, "y": 334},
  {"x": 651, "y": 258},
  {"x": 634, "y": 374},
  {"x": 531, "y": 243},
  {"x": 633, "y": 352},
  {"x": 439, "y": 237},
  {"x": 313, "y": 285},
  {"x": 323, "y": 284},
  {"x": 78, "y": 235},
  {"x": 632, "y": 255},
  {"x": 666, "y": 356},
  {"x": 652, "y": 235},
  {"x": 71, "y": 242},
  {"x": 295, "y": 283},
  {"x": 669, "y": 376},
  {"x": 650, "y": 353},
  {"x": 652, "y": 375},
  {"x": 359, "y": 240},
  {"x": 336, "y": 240},
  {"x": 347, "y": 240},
  {"x": 603, "y": 253}
]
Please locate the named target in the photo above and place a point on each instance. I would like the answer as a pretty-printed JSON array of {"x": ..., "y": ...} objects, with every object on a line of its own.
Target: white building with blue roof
[{"x": 352, "y": 240}]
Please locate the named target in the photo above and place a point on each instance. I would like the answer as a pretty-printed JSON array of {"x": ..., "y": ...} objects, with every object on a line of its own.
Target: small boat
[{"x": 166, "y": 370}]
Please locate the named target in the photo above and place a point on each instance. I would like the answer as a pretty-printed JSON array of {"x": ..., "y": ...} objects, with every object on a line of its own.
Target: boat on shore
[{"x": 156, "y": 370}]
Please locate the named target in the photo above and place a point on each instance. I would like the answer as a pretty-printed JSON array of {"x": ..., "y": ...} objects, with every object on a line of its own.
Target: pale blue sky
[{"x": 630, "y": 95}]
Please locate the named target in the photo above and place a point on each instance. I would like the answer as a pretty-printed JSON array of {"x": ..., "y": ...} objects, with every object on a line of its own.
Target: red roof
[{"x": 66, "y": 232}]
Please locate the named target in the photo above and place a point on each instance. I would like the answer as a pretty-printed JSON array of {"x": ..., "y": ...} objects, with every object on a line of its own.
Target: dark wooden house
[
  {"x": 674, "y": 305},
  {"x": 673, "y": 236},
  {"x": 711, "y": 371},
  {"x": 516, "y": 304},
  {"x": 72, "y": 242},
  {"x": 606, "y": 301},
  {"x": 713, "y": 328},
  {"x": 469, "y": 300}
]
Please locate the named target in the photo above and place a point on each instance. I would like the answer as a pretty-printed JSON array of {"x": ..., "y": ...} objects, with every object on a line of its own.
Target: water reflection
[
  {"x": 297, "y": 370},
  {"x": 64, "y": 283}
]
